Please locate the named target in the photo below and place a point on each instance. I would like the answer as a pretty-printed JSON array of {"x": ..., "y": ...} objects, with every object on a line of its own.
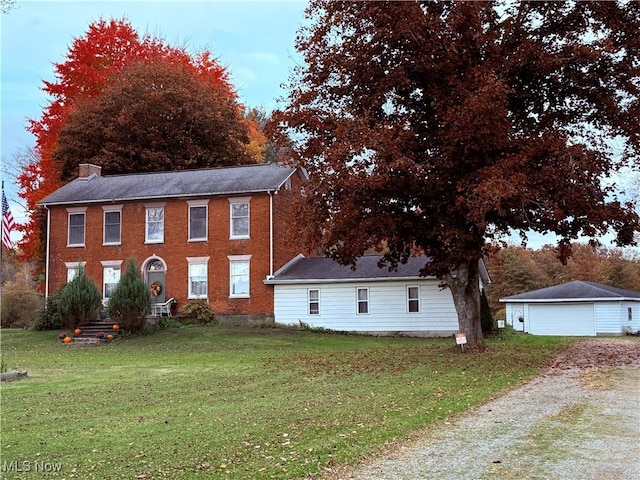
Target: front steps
[{"x": 88, "y": 335}]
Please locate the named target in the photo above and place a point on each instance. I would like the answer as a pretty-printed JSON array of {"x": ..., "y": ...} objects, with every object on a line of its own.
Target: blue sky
[{"x": 253, "y": 39}]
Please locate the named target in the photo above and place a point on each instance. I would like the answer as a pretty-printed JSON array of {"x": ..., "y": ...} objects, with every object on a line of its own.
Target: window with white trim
[
  {"x": 239, "y": 270},
  {"x": 110, "y": 277},
  {"x": 73, "y": 268},
  {"x": 413, "y": 299},
  {"x": 313, "y": 296},
  {"x": 198, "y": 277},
  {"x": 197, "y": 220},
  {"x": 239, "y": 217},
  {"x": 155, "y": 224},
  {"x": 362, "y": 296},
  {"x": 76, "y": 231},
  {"x": 112, "y": 225}
]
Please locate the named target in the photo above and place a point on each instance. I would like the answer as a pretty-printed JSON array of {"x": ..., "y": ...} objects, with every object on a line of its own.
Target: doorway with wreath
[{"x": 155, "y": 272}]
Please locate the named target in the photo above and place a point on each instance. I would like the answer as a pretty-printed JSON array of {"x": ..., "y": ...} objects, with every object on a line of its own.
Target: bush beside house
[{"x": 129, "y": 303}]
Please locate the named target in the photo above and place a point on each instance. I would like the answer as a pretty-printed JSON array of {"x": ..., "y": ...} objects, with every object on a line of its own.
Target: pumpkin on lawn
[
  {"x": 109, "y": 337},
  {"x": 68, "y": 340}
]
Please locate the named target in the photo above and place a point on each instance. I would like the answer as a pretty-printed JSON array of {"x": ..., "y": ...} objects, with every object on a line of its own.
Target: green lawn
[{"x": 236, "y": 402}]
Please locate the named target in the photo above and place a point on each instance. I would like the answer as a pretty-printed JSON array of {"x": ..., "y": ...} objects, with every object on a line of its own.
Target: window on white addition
[{"x": 363, "y": 300}]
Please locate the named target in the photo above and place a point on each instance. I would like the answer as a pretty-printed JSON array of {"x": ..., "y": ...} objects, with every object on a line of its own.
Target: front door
[{"x": 155, "y": 280}]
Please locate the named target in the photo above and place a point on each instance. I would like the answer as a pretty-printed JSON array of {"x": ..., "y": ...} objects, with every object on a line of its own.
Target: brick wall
[{"x": 176, "y": 248}]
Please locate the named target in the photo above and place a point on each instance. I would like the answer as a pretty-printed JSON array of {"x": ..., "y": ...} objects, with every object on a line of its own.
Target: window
[
  {"x": 239, "y": 275},
  {"x": 110, "y": 277},
  {"x": 198, "y": 267},
  {"x": 197, "y": 220},
  {"x": 76, "y": 227},
  {"x": 314, "y": 301},
  {"x": 239, "y": 217},
  {"x": 112, "y": 225},
  {"x": 155, "y": 224},
  {"x": 363, "y": 300},
  {"x": 413, "y": 299},
  {"x": 630, "y": 313},
  {"x": 73, "y": 268}
]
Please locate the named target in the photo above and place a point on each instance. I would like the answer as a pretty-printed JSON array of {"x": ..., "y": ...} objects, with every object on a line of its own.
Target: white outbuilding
[
  {"x": 576, "y": 308},
  {"x": 321, "y": 293}
]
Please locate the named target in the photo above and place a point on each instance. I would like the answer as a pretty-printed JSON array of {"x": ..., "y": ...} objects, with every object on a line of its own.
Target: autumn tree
[
  {"x": 153, "y": 116},
  {"x": 92, "y": 65},
  {"x": 444, "y": 125}
]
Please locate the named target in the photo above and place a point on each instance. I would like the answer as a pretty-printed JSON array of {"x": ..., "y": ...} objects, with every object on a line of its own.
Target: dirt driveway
[{"x": 578, "y": 420}]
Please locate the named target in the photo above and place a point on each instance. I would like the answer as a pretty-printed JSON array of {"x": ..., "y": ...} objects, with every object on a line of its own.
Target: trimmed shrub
[
  {"x": 130, "y": 303},
  {"x": 20, "y": 305},
  {"x": 200, "y": 311},
  {"x": 79, "y": 301}
]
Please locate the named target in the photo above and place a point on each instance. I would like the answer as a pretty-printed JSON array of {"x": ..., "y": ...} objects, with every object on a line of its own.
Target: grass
[{"x": 238, "y": 402}]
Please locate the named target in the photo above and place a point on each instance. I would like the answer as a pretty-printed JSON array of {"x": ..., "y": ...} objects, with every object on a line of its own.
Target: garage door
[{"x": 565, "y": 319}]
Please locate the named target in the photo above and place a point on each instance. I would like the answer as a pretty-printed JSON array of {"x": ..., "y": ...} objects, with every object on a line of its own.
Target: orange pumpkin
[
  {"x": 77, "y": 331},
  {"x": 68, "y": 339},
  {"x": 110, "y": 337},
  {"x": 116, "y": 327}
]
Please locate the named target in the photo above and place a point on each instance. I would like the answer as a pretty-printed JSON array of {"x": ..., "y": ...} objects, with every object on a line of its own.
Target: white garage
[
  {"x": 575, "y": 309},
  {"x": 563, "y": 319}
]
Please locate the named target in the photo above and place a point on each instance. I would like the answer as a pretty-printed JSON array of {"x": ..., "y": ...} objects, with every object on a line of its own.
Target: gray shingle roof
[
  {"x": 181, "y": 183},
  {"x": 322, "y": 268},
  {"x": 577, "y": 290}
]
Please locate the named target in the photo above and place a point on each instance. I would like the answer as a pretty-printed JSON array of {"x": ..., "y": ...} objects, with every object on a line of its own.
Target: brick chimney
[{"x": 88, "y": 169}]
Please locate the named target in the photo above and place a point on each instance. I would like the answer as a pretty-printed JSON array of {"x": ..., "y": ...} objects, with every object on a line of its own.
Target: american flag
[{"x": 7, "y": 223}]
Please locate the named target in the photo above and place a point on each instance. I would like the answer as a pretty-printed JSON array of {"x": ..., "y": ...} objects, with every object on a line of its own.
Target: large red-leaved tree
[
  {"x": 443, "y": 125},
  {"x": 93, "y": 64}
]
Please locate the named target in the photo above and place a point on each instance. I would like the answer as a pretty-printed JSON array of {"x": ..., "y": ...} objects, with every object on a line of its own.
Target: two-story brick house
[{"x": 213, "y": 234}]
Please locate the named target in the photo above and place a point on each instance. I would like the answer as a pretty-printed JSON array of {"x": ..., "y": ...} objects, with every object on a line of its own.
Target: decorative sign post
[{"x": 461, "y": 339}]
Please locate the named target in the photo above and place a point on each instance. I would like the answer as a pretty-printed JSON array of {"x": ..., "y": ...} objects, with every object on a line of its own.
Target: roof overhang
[{"x": 569, "y": 300}]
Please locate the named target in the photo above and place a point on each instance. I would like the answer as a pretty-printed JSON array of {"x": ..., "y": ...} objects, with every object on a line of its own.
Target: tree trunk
[{"x": 464, "y": 284}]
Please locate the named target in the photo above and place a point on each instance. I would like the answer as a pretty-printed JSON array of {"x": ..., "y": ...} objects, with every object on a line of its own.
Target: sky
[{"x": 253, "y": 39}]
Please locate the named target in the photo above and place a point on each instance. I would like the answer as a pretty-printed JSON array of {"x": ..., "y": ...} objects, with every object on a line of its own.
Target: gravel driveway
[{"x": 579, "y": 419}]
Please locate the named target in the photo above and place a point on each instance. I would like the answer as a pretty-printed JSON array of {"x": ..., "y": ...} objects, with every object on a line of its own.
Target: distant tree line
[{"x": 516, "y": 269}]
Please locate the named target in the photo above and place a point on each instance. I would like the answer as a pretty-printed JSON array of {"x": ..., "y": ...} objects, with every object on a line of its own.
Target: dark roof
[
  {"x": 577, "y": 290},
  {"x": 322, "y": 269},
  {"x": 180, "y": 183}
]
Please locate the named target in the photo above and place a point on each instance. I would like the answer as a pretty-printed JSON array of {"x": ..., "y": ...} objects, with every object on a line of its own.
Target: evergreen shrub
[{"x": 130, "y": 301}]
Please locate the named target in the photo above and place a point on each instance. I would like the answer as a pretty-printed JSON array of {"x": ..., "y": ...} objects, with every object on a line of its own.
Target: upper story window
[
  {"x": 76, "y": 231},
  {"x": 239, "y": 275},
  {"x": 363, "y": 300},
  {"x": 112, "y": 224},
  {"x": 197, "y": 220},
  {"x": 239, "y": 217},
  {"x": 413, "y": 299},
  {"x": 155, "y": 224}
]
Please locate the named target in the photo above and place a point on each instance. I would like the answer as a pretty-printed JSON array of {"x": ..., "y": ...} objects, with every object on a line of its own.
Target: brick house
[{"x": 213, "y": 234}]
